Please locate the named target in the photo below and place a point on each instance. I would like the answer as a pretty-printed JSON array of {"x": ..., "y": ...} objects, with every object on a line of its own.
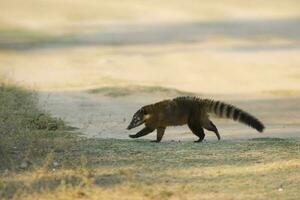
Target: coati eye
[{"x": 144, "y": 112}]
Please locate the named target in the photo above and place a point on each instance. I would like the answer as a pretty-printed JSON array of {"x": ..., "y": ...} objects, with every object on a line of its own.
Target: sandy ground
[
  {"x": 100, "y": 116},
  {"x": 261, "y": 76}
]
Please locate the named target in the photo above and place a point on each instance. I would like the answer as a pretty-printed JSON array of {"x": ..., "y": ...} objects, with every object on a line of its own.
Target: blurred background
[{"x": 94, "y": 62}]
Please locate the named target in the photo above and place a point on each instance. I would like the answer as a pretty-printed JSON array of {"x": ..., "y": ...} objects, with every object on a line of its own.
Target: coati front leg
[
  {"x": 143, "y": 132},
  {"x": 160, "y": 134},
  {"x": 196, "y": 128}
]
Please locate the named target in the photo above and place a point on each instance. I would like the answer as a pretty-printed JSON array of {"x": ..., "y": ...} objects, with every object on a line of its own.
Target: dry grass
[
  {"x": 120, "y": 169},
  {"x": 284, "y": 93},
  {"x": 40, "y": 160}
]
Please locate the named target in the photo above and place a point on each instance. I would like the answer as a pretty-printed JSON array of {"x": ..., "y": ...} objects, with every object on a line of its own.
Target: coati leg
[
  {"x": 211, "y": 127},
  {"x": 143, "y": 132},
  {"x": 196, "y": 129},
  {"x": 160, "y": 134}
]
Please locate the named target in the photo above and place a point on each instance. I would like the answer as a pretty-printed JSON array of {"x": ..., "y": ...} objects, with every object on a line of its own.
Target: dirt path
[
  {"x": 256, "y": 58},
  {"x": 100, "y": 116}
]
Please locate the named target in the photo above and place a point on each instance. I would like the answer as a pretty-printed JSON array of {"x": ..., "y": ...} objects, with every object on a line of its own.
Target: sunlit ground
[{"x": 94, "y": 63}]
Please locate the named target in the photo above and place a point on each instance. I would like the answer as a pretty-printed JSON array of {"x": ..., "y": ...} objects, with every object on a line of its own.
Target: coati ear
[{"x": 146, "y": 114}]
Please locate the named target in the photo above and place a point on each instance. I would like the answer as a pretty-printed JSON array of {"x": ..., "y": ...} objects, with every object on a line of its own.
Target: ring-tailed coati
[{"x": 192, "y": 111}]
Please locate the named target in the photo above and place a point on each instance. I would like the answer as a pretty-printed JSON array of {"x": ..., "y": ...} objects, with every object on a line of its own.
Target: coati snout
[{"x": 138, "y": 118}]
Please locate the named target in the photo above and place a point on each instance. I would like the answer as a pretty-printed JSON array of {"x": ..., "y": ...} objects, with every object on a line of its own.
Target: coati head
[{"x": 138, "y": 118}]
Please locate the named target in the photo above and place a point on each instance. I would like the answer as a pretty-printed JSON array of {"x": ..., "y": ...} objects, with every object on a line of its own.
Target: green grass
[
  {"x": 114, "y": 91},
  {"x": 13, "y": 38},
  {"x": 19, "y": 34},
  {"x": 24, "y": 128},
  {"x": 40, "y": 160}
]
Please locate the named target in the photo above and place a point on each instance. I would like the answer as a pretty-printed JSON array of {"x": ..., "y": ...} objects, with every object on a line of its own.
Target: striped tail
[{"x": 229, "y": 111}]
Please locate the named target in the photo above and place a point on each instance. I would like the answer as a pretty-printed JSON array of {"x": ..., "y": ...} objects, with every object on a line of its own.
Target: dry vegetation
[
  {"x": 41, "y": 160},
  {"x": 24, "y": 129}
]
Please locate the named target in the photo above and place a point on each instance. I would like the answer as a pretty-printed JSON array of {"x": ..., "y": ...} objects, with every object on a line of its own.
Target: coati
[{"x": 192, "y": 111}]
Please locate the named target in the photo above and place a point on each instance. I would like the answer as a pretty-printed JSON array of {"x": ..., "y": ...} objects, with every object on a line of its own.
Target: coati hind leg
[
  {"x": 160, "y": 134},
  {"x": 196, "y": 128},
  {"x": 211, "y": 127},
  {"x": 143, "y": 132}
]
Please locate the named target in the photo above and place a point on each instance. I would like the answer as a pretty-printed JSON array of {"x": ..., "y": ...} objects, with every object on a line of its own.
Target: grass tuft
[{"x": 25, "y": 130}]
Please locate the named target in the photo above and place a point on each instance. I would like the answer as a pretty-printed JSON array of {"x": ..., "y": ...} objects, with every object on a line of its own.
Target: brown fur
[{"x": 193, "y": 112}]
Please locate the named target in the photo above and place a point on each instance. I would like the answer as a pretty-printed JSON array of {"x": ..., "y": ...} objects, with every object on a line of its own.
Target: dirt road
[
  {"x": 253, "y": 63},
  {"x": 100, "y": 116}
]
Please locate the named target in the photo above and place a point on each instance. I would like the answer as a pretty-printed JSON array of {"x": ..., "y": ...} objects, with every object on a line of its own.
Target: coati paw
[
  {"x": 132, "y": 136},
  {"x": 156, "y": 141}
]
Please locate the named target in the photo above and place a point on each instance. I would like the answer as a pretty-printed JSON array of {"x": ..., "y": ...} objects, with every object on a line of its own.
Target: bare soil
[{"x": 101, "y": 116}]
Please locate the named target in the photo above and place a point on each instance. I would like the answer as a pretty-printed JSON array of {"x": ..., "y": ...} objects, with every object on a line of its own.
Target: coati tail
[{"x": 225, "y": 110}]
